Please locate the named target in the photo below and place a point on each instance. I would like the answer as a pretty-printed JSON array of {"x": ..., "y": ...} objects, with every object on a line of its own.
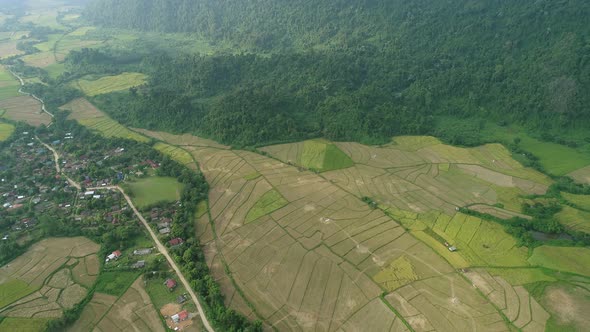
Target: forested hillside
[{"x": 361, "y": 70}]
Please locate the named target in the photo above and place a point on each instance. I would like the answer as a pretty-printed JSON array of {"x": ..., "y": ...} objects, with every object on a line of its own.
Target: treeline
[{"x": 360, "y": 70}]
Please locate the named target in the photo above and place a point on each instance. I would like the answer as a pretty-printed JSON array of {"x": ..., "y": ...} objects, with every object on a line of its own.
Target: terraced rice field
[
  {"x": 6, "y": 131},
  {"x": 8, "y": 85},
  {"x": 110, "y": 83},
  {"x": 178, "y": 154},
  {"x": 581, "y": 201},
  {"x": 514, "y": 301},
  {"x": 44, "y": 281},
  {"x": 316, "y": 155},
  {"x": 323, "y": 258},
  {"x": 90, "y": 116},
  {"x": 133, "y": 311}
]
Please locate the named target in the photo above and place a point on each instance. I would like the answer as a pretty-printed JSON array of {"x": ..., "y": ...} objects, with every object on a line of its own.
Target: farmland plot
[
  {"x": 108, "y": 84},
  {"x": 514, "y": 301},
  {"x": 5, "y": 131},
  {"x": 321, "y": 260},
  {"x": 39, "y": 284},
  {"x": 581, "y": 175},
  {"x": 89, "y": 116}
]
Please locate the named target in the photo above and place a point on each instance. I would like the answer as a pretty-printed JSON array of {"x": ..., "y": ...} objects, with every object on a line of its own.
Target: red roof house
[
  {"x": 176, "y": 241},
  {"x": 117, "y": 253},
  {"x": 170, "y": 283}
]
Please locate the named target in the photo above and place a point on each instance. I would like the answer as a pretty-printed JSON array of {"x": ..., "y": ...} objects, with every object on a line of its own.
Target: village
[{"x": 36, "y": 201}]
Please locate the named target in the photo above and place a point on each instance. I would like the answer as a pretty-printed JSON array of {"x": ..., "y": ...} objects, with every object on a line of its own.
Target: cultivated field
[
  {"x": 309, "y": 255},
  {"x": 43, "y": 282},
  {"x": 574, "y": 219},
  {"x": 155, "y": 189},
  {"x": 178, "y": 154},
  {"x": 18, "y": 107},
  {"x": 514, "y": 301},
  {"x": 581, "y": 201},
  {"x": 566, "y": 259},
  {"x": 5, "y": 130},
  {"x": 108, "y": 84},
  {"x": 8, "y": 49},
  {"x": 316, "y": 155},
  {"x": 581, "y": 175},
  {"x": 133, "y": 311},
  {"x": 90, "y": 116}
]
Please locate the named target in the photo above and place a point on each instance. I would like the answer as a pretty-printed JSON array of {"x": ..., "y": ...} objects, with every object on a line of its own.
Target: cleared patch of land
[
  {"x": 108, "y": 84},
  {"x": 26, "y": 109},
  {"x": 6, "y": 130},
  {"x": 90, "y": 116},
  {"x": 569, "y": 306},
  {"x": 556, "y": 159},
  {"x": 39, "y": 284},
  {"x": 155, "y": 189}
]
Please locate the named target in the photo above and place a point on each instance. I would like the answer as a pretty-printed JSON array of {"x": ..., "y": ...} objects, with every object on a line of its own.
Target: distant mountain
[{"x": 507, "y": 61}]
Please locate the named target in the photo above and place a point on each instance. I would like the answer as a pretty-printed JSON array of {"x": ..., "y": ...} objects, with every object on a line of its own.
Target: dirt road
[{"x": 161, "y": 248}]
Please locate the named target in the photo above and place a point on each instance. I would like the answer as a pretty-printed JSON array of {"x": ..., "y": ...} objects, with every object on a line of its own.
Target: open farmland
[
  {"x": 133, "y": 311},
  {"x": 108, "y": 84},
  {"x": 90, "y": 116},
  {"x": 155, "y": 189},
  {"x": 178, "y": 154},
  {"x": 5, "y": 131},
  {"x": 40, "y": 285},
  {"x": 581, "y": 201},
  {"x": 574, "y": 219},
  {"x": 316, "y": 155},
  {"x": 322, "y": 258},
  {"x": 581, "y": 175},
  {"x": 8, "y": 49},
  {"x": 566, "y": 259},
  {"x": 515, "y": 301},
  {"x": 569, "y": 305},
  {"x": 18, "y": 107}
]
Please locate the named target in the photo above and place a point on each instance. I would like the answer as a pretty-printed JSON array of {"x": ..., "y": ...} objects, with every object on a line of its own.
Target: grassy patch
[
  {"x": 252, "y": 176},
  {"x": 322, "y": 156},
  {"x": 269, "y": 202},
  {"x": 566, "y": 259},
  {"x": 23, "y": 324},
  {"x": 14, "y": 290},
  {"x": 110, "y": 83},
  {"x": 160, "y": 294},
  {"x": 201, "y": 209},
  {"x": 399, "y": 273},
  {"x": 115, "y": 283},
  {"x": 155, "y": 189},
  {"x": 5, "y": 130},
  {"x": 55, "y": 70}
]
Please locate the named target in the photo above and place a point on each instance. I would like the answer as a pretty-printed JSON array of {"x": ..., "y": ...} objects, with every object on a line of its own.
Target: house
[
  {"x": 163, "y": 225},
  {"x": 170, "y": 284},
  {"x": 139, "y": 265},
  {"x": 452, "y": 249},
  {"x": 181, "y": 299},
  {"x": 141, "y": 252},
  {"x": 175, "y": 242},
  {"x": 89, "y": 193},
  {"x": 165, "y": 230},
  {"x": 180, "y": 317},
  {"x": 115, "y": 255}
]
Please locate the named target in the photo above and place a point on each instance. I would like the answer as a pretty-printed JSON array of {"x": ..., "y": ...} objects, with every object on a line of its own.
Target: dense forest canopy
[{"x": 360, "y": 70}]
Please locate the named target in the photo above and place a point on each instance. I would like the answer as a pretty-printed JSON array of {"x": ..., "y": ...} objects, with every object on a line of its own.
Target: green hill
[{"x": 364, "y": 70}]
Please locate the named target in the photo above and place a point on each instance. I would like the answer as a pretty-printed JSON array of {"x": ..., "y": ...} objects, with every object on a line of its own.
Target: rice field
[
  {"x": 93, "y": 118},
  {"x": 41, "y": 284},
  {"x": 24, "y": 324},
  {"x": 109, "y": 84},
  {"x": 8, "y": 49},
  {"x": 6, "y": 130},
  {"x": 322, "y": 258},
  {"x": 9, "y": 86},
  {"x": 178, "y": 154},
  {"x": 155, "y": 189},
  {"x": 566, "y": 259},
  {"x": 582, "y": 201},
  {"x": 581, "y": 175},
  {"x": 131, "y": 311},
  {"x": 317, "y": 155},
  {"x": 574, "y": 219}
]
